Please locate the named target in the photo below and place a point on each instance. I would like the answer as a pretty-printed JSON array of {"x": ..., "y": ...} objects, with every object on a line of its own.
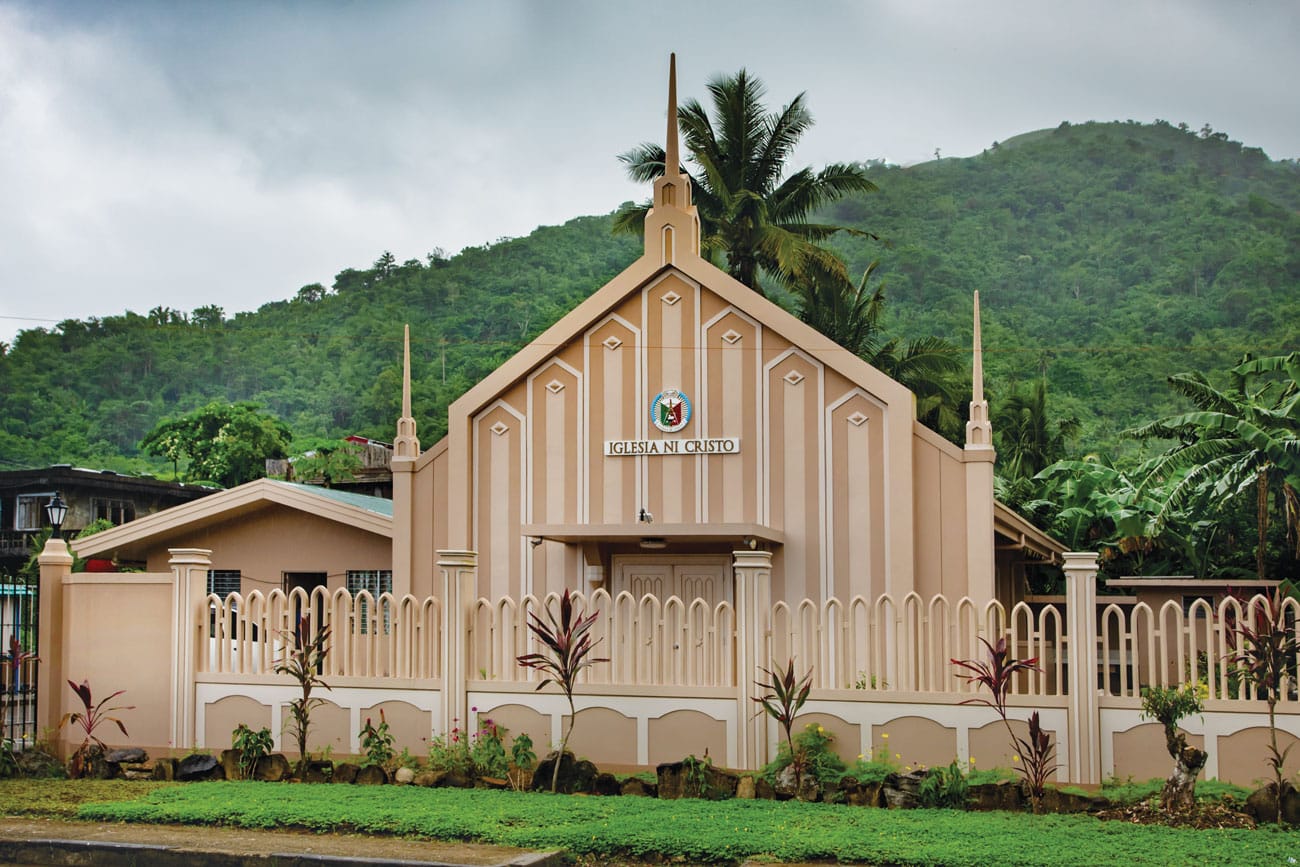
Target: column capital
[
  {"x": 453, "y": 558},
  {"x": 55, "y": 553},
  {"x": 746, "y": 559},
  {"x": 189, "y": 557}
]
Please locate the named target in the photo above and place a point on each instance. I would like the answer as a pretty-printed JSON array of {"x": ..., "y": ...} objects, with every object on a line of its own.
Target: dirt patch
[{"x": 1207, "y": 815}]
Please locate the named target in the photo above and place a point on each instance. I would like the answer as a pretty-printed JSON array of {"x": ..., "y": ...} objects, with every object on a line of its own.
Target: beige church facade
[
  {"x": 725, "y": 489},
  {"x": 677, "y": 416}
]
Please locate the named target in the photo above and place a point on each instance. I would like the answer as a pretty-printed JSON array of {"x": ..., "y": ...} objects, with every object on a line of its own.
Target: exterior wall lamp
[{"x": 56, "y": 510}]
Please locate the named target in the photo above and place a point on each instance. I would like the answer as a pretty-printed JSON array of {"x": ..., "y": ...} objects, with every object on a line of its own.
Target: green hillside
[{"x": 1107, "y": 256}]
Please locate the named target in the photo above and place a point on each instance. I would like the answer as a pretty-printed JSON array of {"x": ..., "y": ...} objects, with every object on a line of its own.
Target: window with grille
[
  {"x": 223, "y": 582},
  {"x": 29, "y": 513},
  {"x": 374, "y": 581},
  {"x": 114, "y": 511}
]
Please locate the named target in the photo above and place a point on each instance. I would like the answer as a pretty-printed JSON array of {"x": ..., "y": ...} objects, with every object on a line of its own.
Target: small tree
[
  {"x": 90, "y": 718},
  {"x": 1035, "y": 752},
  {"x": 303, "y": 661},
  {"x": 567, "y": 648},
  {"x": 1167, "y": 706},
  {"x": 786, "y": 695},
  {"x": 1267, "y": 656}
]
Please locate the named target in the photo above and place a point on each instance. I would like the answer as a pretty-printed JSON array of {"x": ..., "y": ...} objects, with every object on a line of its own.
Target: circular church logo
[{"x": 670, "y": 410}]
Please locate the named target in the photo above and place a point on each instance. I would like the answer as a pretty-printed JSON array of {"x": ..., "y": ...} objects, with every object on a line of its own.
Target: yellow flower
[
  {"x": 898, "y": 755},
  {"x": 1015, "y": 758},
  {"x": 820, "y": 730},
  {"x": 972, "y": 760},
  {"x": 885, "y": 735},
  {"x": 859, "y": 755}
]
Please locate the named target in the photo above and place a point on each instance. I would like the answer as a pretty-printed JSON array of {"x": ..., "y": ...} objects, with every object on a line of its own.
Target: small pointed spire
[
  {"x": 977, "y": 364},
  {"x": 406, "y": 444},
  {"x": 406, "y": 365},
  {"x": 672, "y": 159},
  {"x": 979, "y": 430}
]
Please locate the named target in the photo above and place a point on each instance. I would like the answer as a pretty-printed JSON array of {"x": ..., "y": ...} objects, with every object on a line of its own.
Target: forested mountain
[{"x": 1107, "y": 256}]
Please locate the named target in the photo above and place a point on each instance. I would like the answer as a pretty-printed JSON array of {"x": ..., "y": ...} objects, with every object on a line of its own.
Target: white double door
[{"x": 688, "y": 577}]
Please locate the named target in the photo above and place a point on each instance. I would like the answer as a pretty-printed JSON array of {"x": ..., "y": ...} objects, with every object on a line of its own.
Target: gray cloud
[{"x": 157, "y": 153}]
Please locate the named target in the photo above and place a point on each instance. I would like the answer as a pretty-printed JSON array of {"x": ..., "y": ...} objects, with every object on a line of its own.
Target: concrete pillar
[
  {"x": 753, "y": 570},
  {"x": 1081, "y": 628},
  {"x": 189, "y": 594},
  {"x": 459, "y": 585},
  {"x": 55, "y": 563},
  {"x": 403, "y": 525}
]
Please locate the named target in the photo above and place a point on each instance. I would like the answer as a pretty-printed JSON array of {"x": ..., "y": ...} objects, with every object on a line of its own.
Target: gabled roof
[
  {"x": 1025, "y": 535},
  {"x": 372, "y": 514}
]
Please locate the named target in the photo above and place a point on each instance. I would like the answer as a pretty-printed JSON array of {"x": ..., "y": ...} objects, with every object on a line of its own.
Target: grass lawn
[{"x": 722, "y": 831}]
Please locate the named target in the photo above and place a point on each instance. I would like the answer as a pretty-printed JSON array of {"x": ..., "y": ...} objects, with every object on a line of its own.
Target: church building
[{"x": 676, "y": 417}]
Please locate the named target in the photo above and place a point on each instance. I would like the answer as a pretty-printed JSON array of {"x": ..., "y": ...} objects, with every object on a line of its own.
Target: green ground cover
[{"x": 723, "y": 831}]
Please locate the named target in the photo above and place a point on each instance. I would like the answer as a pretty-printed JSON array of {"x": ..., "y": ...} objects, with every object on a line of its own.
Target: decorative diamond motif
[
  {"x": 555, "y": 386},
  {"x": 857, "y": 419},
  {"x": 499, "y": 428},
  {"x": 670, "y": 298},
  {"x": 612, "y": 342},
  {"x": 794, "y": 377},
  {"x": 731, "y": 336}
]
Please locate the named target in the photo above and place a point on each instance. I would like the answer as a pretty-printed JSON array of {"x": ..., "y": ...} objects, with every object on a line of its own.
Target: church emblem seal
[{"x": 670, "y": 411}]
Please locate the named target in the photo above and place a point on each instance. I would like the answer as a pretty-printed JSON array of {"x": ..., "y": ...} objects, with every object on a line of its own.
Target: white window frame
[
  {"x": 376, "y": 582},
  {"x": 42, "y": 500}
]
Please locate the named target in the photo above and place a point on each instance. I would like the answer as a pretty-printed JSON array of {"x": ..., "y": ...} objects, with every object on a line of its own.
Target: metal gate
[{"x": 19, "y": 610}]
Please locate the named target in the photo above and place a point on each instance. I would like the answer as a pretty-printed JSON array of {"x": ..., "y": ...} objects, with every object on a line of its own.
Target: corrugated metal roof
[{"x": 378, "y": 505}]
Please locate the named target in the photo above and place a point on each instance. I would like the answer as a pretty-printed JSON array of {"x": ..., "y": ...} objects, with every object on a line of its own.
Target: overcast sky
[{"x": 228, "y": 153}]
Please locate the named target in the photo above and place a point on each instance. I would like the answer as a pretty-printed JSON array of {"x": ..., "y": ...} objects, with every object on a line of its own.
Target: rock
[
  {"x": 900, "y": 790},
  {"x": 88, "y": 763},
  {"x": 1262, "y": 804},
  {"x": 136, "y": 770},
  {"x": 36, "y": 762},
  {"x": 857, "y": 794},
  {"x": 164, "y": 769},
  {"x": 403, "y": 776},
  {"x": 430, "y": 779},
  {"x": 272, "y": 769},
  {"x": 805, "y": 788},
  {"x": 575, "y": 776},
  {"x": 1057, "y": 801},
  {"x": 676, "y": 782},
  {"x": 745, "y": 789},
  {"x": 763, "y": 789},
  {"x": 493, "y": 783},
  {"x": 133, "y": 755},
  {"x": 230, "y": 764},
  {"x": 606, "y": 784},
  {"x": 346, "y": 773},
  {"x": 639, "y": 788},
  {"x": 458, "y": 780},
  {"x": 318, "y": 772},
  {"x": 371, "y": 775},
  {"x": 1002, "y": 795},
  {"x": 199, "y": 766}
]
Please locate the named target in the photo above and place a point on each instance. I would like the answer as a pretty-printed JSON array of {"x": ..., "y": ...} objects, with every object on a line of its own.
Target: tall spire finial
[
  {"x": 672, "y": 159},
  {"x": 979, "y": 431},
  {"x": 406, "y": 444}
]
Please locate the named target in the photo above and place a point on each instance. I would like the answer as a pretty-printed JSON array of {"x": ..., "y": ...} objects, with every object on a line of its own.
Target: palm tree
[
  {"x": 1028, "y": 440},
  {"x": 851, "y": 316},
  {"x": 1245, "y": 439},
  {"x": 748, "y": 211}
]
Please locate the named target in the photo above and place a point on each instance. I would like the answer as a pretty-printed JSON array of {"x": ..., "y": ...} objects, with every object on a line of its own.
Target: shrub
[
  {"x": 450, "y": 752},
  {"x": 377, "y": 742},
  {"x": 90, "y": 719},
  {"x": 945, "y": 788},
  {"x": 252, "y": 746},
  {"x": 1035, "y": 752},
  {"x": 568, "y": 647},
  {"x": 1266, "y": 658},
  {"x": 487, "y": 752},
  {"x": 786, "y": 695},
  {"x": 303, "y": 660}
]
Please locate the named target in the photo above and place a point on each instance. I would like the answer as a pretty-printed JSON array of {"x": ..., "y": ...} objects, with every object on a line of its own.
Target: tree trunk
[{"x": 1179, "y": 795}]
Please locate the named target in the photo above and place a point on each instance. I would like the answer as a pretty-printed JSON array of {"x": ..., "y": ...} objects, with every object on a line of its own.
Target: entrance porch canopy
[{"x": 740, "y": 534}]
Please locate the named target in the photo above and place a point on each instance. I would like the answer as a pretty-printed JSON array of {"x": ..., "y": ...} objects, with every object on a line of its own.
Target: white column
[
  {"x": 189, "y": 590},
  {"x": 459, "y": 585},
  {"x": 753, "y": 622},
  {"x": 1081, "y": 628}
]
